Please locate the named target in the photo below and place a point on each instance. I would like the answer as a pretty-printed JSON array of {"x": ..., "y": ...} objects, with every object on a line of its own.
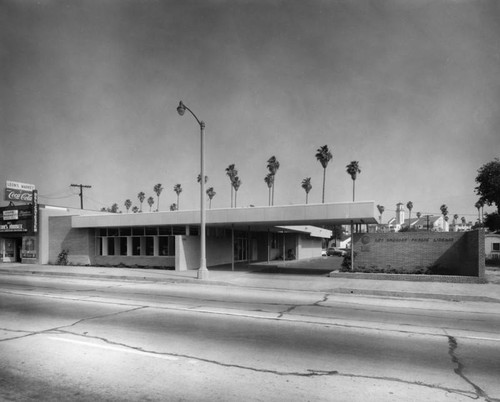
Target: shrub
[{"x": 62, "y": 258}]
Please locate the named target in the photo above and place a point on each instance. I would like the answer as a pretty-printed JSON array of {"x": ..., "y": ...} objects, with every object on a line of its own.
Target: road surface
[{"x": 82, "y": 340}]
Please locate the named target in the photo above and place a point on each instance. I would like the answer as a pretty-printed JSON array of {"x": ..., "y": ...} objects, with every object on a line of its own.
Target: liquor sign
[
  {"x": 17, "y": 191},
  {"x": 13, "y": 227},
  {"x": 16, "y": 219}
]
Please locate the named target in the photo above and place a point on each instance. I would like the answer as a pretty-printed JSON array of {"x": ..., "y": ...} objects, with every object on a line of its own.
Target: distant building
[
  {"x": 492, "y": 246},
  {"x": 434, "y": 223}
]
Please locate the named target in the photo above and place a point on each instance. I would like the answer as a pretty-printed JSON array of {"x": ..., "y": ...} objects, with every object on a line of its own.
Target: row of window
[
  {"x": 157, "y": 246},
  {"x": 148, "y": 231}
]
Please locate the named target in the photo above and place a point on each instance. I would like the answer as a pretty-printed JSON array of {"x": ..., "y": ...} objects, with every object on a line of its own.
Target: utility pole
[{"x": 82, "y": 186}]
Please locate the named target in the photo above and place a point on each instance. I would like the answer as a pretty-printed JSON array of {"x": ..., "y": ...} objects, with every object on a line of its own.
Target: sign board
[
  {"x": 16, "y": 219},
  {"x": 15, "y": 185},
  {"x": 10, "y": 215},
  {"x": 17, "y": 191}
]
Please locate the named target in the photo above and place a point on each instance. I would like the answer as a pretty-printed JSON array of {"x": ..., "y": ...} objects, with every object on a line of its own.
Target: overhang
[{"x": 362, "y": 212}]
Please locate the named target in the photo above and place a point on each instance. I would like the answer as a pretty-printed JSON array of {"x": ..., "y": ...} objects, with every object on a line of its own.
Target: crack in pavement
[
  {"x": 50, "y": 330},
  {"x": 307, "y": 373},
  {"x": 452, "y": 347}
]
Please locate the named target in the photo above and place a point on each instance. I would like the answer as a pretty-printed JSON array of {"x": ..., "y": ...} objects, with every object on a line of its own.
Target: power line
[{"x": 82, "y": 186}]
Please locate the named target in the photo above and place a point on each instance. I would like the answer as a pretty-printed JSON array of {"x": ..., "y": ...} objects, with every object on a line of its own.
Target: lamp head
[{"x": 181, "y": 108}]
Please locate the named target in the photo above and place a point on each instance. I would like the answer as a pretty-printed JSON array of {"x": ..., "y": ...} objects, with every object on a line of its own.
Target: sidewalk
[{"x": 281, "y": 277}]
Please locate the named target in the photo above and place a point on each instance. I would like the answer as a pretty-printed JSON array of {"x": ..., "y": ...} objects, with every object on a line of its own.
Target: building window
[
  {"x": 495, "y": 247},
  {"x": 166, "y": 246},
  {"x": 111, "y": 245},
  {"x": 136, "y": 246},
  {"x": 123, "y": 246},
  {"x": 150, "y": 245}
]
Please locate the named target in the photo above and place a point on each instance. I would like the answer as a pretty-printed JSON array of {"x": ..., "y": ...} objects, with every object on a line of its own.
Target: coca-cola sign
[{"x": 18, "y": 195}]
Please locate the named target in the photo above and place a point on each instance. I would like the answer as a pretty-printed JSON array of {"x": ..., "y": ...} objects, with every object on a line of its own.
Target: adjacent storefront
[{"x": 19, "y": 224}]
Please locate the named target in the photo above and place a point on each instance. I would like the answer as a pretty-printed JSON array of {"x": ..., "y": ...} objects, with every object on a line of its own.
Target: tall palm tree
[
  {"x": 236, "y": 185},
  {"x": 141, "y": 197},
  {"x": 231, "y": 173},
  {"x": 128, "y": 204},
  {"x": 381, "y": 210},
  {"x": 307, "y": 186},
  {"x": 273, "y": 165},
  {"x": 323, "y": 155},
  {"x": 409, "y": 205},
  {"x": 158, "y": 189},
  {"x": 211, "y": 194},
  {"x": 269, "y": 179},
  {"x": 353, "y": 169},
  {"x": 151, "y": 201},
  {"x": 479, "y": 204},
  {"x": 178, "y": 191},
  {"x": 444, "y": 211}
]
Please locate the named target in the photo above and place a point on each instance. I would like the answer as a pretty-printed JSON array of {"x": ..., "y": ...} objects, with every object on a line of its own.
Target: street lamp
[{"x": 202, "y": 271}]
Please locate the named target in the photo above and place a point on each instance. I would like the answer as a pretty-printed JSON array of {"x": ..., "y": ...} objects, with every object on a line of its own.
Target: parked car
[
  {"x": 336, "y": 251},
  {"x": 323, "y": 253}
]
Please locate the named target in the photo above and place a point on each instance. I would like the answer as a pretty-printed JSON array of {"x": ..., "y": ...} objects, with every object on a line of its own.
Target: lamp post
[{"x": 202, "y": 271}]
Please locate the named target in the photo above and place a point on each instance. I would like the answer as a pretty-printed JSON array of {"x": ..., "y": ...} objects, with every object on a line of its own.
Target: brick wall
[{"x": 450, "y": 253}]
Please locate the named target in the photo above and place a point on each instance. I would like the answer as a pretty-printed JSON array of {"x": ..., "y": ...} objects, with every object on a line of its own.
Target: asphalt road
[{"x": 71, "y": 339}]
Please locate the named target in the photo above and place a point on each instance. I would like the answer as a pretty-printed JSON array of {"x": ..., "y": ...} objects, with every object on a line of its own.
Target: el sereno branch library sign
[{"x": 456, "y": 253}]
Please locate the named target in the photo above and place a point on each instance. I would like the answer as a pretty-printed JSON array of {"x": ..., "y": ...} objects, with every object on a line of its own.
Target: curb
[
  {"x": 112, "y": 277},
  {"x": 415, "y": 295}
]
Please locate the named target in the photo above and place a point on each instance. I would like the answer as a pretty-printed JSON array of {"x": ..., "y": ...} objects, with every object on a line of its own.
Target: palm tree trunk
[
  {"x": 307, "y": 197},
  {"x": 324, "y": 178},
  {"x": 231, "y": 195},
  {"x": 235, "y": 198},
  {"x": 269, "y": 196},
  {"x": 178, "y": 204},
  {"x": 273, "y": 194},
  {"x": 353, "y": 190}
]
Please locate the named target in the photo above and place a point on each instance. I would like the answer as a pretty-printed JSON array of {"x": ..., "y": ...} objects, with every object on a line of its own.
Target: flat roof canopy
[{"x": 258, "y": 218}]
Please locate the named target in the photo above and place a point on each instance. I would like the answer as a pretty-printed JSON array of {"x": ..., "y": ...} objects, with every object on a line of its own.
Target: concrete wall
[
  {"x": 308, "y": 247},
  {"x": 451, "y": 253},
  {"x": 79, "y": 242}
]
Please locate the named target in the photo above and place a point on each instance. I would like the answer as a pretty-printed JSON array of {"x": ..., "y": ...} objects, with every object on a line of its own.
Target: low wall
[{"x": 444, "y": 253}]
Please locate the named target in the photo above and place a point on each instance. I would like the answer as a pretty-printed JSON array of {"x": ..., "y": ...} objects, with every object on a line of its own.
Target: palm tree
[
  {"x": 198, "y": 179},
  {"x": 158, "y": 189},
  {"x": 178, "y": 190},
  {"x": 323, "y": 155},
  {"x": 353, "y": 169},
  {"x": 231, "y": 173},
  {"x": 151, "y": 201},
  {"x": 463, "y": 220},
  {"x": 381, "y": 210},
  {"x": 128, "y": 204},
  {"x": 211, "y": 194},
  {"x": 236, "y": 185},
  {"x": 135, "y": 209},
  {"x": 141, "y": 197},
  {"x": 419, "y": 214},
  {"x": 444, "y": 211},
  {"x": 479, "y": 204},
  {"x": 409, "y": 205},
  {"x": 173, "y": 207},
  {"x": 273, "y": 165},
  {"x": 307, "y": 186},
  {"x": 269, "y": 179}
]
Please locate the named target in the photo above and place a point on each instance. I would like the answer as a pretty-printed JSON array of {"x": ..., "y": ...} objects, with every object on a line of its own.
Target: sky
[{"x": 409, "y": 88}]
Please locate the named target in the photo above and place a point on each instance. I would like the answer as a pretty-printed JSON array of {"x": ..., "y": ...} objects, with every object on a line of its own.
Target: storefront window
[
  {"x": 123, "y": 246},
  {"x": 150, "y": 248},
  {"x": 136, "y": 246}
]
